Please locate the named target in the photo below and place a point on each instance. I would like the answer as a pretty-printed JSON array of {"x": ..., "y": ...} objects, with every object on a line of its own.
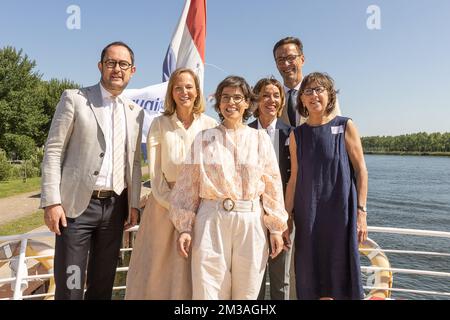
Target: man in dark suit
[
  {"x": 289, "y": 59},
  {"x": 91, "y": 177},
  {"x": 270, "y": 105}
]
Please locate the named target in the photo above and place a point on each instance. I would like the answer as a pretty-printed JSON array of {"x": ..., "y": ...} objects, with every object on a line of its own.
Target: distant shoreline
[{"x": 409, "y": 153}]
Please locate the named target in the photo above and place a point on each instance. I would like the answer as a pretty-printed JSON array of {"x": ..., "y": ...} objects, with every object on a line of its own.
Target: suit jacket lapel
[
  {"x": 284, "y": 115},
  {"x": 284, "y": 131},
  {"x": 131, "y": 121},
  {"x": 95, "y": 100},
  {"x": 253, "y": 124},
  {"x": 279, "y": 129}
]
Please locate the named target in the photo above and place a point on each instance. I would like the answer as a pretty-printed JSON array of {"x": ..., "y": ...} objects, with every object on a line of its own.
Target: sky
[{"x": 393, "y": 79}]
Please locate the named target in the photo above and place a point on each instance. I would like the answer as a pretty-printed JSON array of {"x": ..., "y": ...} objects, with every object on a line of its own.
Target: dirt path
[{"x": 15, "y": 207}]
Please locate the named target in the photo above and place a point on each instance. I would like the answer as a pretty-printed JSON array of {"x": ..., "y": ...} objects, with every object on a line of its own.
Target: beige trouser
[{"x": 229, "y": 253}]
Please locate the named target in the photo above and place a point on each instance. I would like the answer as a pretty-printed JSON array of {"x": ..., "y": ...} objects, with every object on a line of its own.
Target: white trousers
[{"x": 229, "y": 253}]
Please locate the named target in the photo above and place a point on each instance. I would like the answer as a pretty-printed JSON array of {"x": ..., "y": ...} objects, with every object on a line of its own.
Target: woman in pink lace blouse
[{"x": 230, "y": 186}]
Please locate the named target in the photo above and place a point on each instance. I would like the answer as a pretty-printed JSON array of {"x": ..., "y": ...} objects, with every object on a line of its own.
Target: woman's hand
[
  {"x": 184, "y": 244},
  {"x": 276, "y": 243},
  {"x": 361, "y": 226}
]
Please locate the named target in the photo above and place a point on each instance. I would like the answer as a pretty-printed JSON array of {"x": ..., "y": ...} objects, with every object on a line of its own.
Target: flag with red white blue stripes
[{"x": 187, "y": 48}]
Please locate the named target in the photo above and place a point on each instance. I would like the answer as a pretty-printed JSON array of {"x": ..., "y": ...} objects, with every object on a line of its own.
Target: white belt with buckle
[{"x": 235, "y": 205}]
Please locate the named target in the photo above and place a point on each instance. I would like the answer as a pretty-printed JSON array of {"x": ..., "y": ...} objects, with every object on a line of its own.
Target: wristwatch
[{"x": 362, "y": 208}]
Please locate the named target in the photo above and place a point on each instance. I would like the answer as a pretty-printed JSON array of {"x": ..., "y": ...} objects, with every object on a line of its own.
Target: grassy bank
[
  {"x": 13, "y": 187},
  {"x": 23, "y": 225},
  {"x": 404, "y": 153}
]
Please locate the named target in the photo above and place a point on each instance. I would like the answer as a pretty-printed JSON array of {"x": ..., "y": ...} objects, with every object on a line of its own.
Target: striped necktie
[{"x": 118, "y": 148}]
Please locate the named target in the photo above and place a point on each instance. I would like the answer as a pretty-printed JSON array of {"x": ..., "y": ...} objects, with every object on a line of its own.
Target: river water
[{"x": 411, "y": 192}]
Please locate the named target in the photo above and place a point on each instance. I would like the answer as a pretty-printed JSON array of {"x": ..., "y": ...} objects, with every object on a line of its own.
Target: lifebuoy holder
[{"x": 383, "y": 279}]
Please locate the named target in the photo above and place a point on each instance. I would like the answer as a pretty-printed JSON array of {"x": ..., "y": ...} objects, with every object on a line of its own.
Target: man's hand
[
  {"x": 134, "y": 216},
  {"x": 53, "y": 215},
  {"x": 287, "y": 234}
]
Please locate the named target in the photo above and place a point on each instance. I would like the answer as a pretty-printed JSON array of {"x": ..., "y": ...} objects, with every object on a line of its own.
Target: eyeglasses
[
  {"x": 310, "y": 91},
  {"x": 289, "y": 58},
  {"x": 111, "y": 64},
  {"x": 236, "y": 98}
]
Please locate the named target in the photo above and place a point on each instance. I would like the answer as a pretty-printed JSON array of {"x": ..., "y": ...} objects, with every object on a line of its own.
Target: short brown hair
[
  {"x": 236, "y": 82},
  {"x": 169, "y": 103},
  {"x": 322, "y": 79},
  {"x": 260, "y": 85},
  {"x": 289, "y": 40}
]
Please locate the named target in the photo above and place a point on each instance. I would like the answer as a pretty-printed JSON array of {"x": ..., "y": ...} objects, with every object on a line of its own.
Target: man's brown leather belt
[{"x": 103, "y": 194}]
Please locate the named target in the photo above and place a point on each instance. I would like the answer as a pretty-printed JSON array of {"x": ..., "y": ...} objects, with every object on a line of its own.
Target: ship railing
[
  {"x": 409, "y": 232},
  {"x": 22, "y": 258}
]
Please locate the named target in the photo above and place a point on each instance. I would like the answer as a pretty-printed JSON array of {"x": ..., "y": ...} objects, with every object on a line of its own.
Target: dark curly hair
[{"x": 236, "y": 82}]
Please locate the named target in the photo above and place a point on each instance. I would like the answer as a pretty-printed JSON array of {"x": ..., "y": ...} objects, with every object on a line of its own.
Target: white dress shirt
[
  {"x": 104, "y": 178},
  {"x": 271, "y": 129},
  {"x": 273, "y": 134}
]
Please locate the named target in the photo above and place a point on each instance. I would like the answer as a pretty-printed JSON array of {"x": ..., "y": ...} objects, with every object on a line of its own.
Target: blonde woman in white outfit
[
  {"x": 231, "y": 186},
  {"x": 156, "y": 271}
]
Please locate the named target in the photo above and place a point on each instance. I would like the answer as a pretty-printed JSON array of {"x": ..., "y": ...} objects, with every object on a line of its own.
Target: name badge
[{"x": 337, "y": 129}]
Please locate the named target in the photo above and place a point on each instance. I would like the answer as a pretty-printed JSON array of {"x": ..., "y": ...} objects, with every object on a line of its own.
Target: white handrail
[
  {"x": 24, "y": 238},
  {"x": 409, "y": 290},
  {"x": 33, "y": 277},
  {"x": 417, "y": 232},
  {"x": 429, "y": 253},
  {"x": 17, "y": 286},
  {"x": 408, "y": 271},
  {"x": 40, "y": 295},
  {"x": 7, "y": 280},
  {"x": 413, "y": 232},
  {"x": 28, "y": 235},
  {"x": 42, "y": 234}
]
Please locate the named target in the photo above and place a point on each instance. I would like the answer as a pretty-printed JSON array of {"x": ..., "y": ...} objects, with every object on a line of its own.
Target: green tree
[
  {"x": 20, "y": 147},
  {"x": 27, "y": 103},
  {"x": 52, "y": 93},
  {"x": 5, "y": 166},
  {"x": 415, "y": 142},
  {"x": 21, "y": 96}
]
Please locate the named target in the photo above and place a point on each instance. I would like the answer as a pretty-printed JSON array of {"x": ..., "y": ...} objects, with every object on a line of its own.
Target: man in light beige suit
[{"x": 91, "y": 177}]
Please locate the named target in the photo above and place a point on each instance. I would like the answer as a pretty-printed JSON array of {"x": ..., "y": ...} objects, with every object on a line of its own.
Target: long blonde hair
[{"x": 169, "y": 103}]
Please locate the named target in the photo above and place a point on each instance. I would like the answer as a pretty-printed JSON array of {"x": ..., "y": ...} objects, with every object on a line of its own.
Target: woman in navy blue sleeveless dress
[{"x": 328, "y": 196}]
